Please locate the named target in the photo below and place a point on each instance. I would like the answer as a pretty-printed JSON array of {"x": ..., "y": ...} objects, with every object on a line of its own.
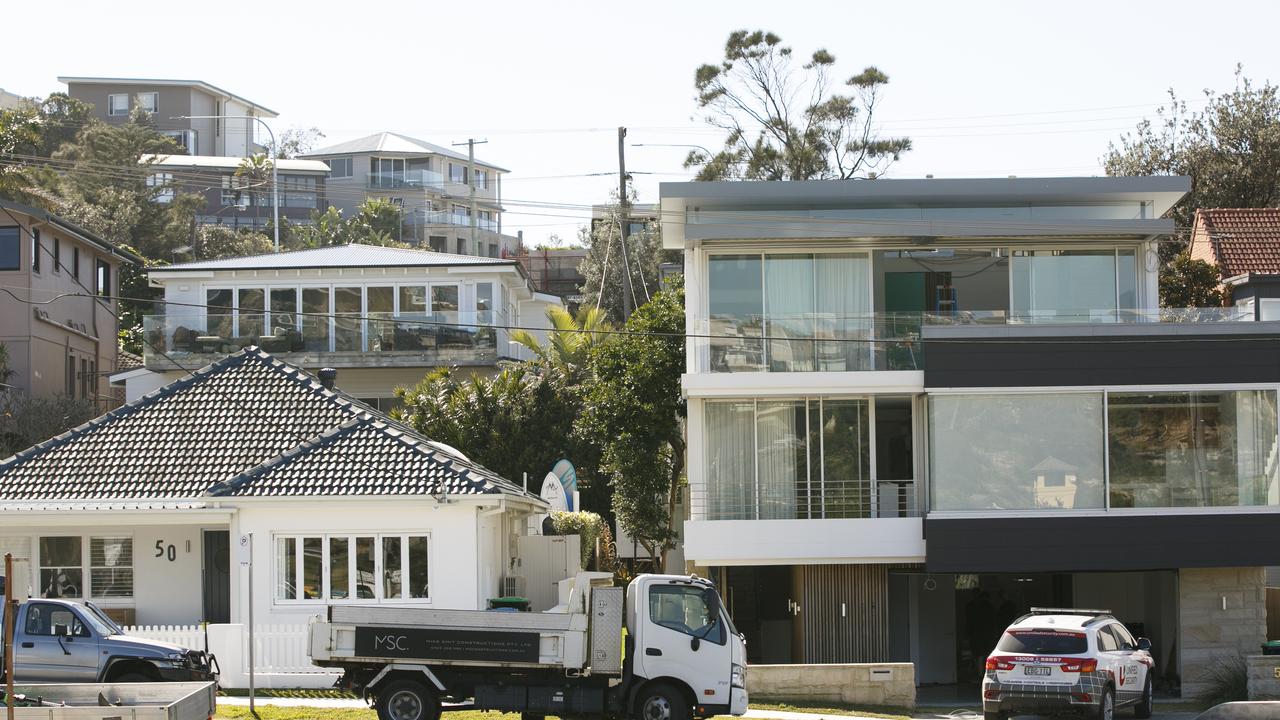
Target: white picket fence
[{"x": 279, "y": 650}]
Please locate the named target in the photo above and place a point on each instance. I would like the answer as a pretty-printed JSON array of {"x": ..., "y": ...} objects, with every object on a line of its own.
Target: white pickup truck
[{"x": 679, "y": 658}]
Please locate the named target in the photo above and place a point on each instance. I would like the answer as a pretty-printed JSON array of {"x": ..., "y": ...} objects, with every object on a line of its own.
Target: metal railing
[
  {"x": 438, "y": 338},
  {"x": 441, "y": 217},
  {"x": 833, "y": 342},
  {"x": 807, "y": 500},
  {"x": 427, "y": 179}
]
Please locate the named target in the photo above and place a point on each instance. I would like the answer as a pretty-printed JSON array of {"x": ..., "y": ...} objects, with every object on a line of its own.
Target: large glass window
[
  {"x": 284, "y": 310},
  {"x": 315, "y": 319},
  {"x": 1012, "y": 451},
  {"x": 347, "y": 310},
  {"x": 784, "y": 459},
  {"x": 218, "y": 304},
  {"x": 789, "y": 312},
  {"x": 111, "y": 567},
  {"x": 251, "y": 315},
  {"x": 1193, "y": 449},
  {"x": 383, "y": 567},
  {"x": 381, "y": 308},
  {"x": 1073, "y": 285},
  {"x": 735, "y": 296},
  {"x": 61, "y": 567}
]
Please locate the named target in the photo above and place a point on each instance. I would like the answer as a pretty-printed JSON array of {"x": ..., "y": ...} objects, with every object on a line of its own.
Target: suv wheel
[
  {"x": 1107, "y": 706},
  {"x": 1145, "y": 706}
]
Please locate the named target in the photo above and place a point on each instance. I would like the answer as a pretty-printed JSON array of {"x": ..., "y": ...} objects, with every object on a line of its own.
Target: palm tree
[
  {"x": 570, "y": 338},
  {"x": 254, "y": 171}
]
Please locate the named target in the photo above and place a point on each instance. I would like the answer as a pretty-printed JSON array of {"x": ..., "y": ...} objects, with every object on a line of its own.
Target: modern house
[
  {"x": 60, "y": 322},
  {"x": 239, "y": 202},
  {"x": 450, "y": 204},
  {"x": 1244, "y": 244},
  {"x": 919, "y": 407},
  {"x": 170, "y": 103},
  {"x": 382, "y": 316},
  {"x": 142, "y": 510}
]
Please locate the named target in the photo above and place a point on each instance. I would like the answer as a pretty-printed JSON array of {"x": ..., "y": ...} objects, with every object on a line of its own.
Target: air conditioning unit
[{"x": 513, "y": 586}]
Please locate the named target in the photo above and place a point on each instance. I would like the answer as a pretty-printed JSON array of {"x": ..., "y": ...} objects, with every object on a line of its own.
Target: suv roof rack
[{"x": 1095, "y": 614}]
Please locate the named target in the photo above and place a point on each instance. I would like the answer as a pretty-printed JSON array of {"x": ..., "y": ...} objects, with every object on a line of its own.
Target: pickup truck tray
[{"x": 138, "y": 701}]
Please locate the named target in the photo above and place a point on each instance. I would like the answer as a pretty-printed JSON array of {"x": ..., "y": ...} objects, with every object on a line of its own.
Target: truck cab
[
  {"x": 681, "y": 634},
  {"x": 60, "y": 641}
]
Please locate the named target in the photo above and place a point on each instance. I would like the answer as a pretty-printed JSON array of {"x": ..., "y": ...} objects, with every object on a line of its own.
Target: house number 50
[{"x": 168, "y": 551}]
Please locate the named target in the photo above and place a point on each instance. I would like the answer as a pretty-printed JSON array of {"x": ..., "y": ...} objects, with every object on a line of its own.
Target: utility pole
[
  {"x": 624, "y": 224},
  {"x": 471, "y": 185}
]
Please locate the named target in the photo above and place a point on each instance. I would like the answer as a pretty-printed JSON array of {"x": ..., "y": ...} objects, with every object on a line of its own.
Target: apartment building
[
  {"x": 919, "y": 407},
  {"x": 59, "y": 324},
  {"x": 240, "y": 202},
  {"x": 382, "y": 317},
  {"x": 172, "y": 105},
  {"x": 450, "y": 204}
]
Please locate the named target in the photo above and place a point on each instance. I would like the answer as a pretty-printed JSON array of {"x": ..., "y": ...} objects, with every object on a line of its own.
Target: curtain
[
  {"x": 843, "y": 301},
  {"x": 788, "y": 306},
  {"x": 781, "y": 452},
  {"x": 730, "y": 476}
]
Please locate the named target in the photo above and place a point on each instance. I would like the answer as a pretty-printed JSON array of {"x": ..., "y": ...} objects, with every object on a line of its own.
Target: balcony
[
  {"x": 408, "y": 179},
  {"x": 439, "y": 339},
  {"x": 828, "y": 342},
  {"x": 427, "y": 217}
]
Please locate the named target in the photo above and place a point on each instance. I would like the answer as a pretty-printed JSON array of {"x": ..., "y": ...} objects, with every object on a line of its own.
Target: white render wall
[
  {"x": 455, "y": 563},
  {"x": 164, "y": 591}
]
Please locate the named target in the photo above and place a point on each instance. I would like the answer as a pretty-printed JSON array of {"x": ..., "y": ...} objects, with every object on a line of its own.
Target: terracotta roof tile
[{"x": 1243, "y": 240}]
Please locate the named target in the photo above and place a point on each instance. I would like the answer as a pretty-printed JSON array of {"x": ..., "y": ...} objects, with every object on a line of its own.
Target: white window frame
[
  {"x": 379, "y": 570},
  {"x": 114, "y": 108},
  {"x": 155, "y": 101},
  {"x": 345, "y": 162},
  {"x": 86, "y": 565}
]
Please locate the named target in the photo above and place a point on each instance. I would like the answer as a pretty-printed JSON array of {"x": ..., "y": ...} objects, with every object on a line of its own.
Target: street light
[{"x": 275, "y": 176}]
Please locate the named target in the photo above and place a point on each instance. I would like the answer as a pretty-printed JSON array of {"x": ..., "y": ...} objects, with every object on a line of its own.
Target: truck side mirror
[
  {"x": 694, "y": 644},
  {"x": 61, "y": 630}
]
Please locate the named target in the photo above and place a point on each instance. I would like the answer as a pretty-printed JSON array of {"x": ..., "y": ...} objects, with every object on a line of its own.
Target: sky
[{"x": 983, "y": 89}]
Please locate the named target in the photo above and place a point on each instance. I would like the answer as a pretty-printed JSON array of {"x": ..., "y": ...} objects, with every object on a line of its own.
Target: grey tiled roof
[
  {"x": 393, "y": 144},
  {"x": 375, "y": 458},
  {"x": 195, "y": 435},
  {"x": 353, "y": 255}
]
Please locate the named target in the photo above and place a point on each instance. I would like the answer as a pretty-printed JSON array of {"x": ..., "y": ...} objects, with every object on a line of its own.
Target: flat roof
[
  {"x": 911, "y": 208},
  {"x": 353, "y": 255},
  {"x": 211, "y": 89}
]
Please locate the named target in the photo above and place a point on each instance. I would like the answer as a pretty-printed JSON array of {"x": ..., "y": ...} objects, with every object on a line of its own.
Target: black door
[{"x": 217, "y": 576}]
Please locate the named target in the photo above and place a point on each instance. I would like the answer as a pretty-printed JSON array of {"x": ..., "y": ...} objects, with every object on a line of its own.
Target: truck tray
[
  {"x": 138, "y": 701},
  {"x": 374, "y": 615}
]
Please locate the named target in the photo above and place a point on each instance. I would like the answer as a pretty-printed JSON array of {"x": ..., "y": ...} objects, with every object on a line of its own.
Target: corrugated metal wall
[{"x": 844, "y": 613}]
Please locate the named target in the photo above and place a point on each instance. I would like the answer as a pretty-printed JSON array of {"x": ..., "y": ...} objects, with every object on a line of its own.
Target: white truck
[{"x": 679, "y": 657}]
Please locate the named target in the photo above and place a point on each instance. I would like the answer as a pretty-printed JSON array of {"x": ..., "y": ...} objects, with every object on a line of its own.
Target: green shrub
[
  {"x": 590, "y": 527},
  {"x": 1228, "y": 681}
]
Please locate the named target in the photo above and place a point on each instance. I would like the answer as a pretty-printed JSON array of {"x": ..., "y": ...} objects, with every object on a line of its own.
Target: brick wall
[{"x": 1207, "y": 631}]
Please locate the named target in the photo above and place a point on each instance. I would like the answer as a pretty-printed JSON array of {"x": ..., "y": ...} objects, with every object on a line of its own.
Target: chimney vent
[{"x": 327, "y": 377}]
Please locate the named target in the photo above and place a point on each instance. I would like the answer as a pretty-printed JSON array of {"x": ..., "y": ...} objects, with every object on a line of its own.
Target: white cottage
[{"x": 140, "y": 509}]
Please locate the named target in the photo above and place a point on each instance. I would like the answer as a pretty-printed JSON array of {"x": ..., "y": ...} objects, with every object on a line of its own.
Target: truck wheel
[
  {"x": 407, "y": 700},
  {"x": 662, "y": 702}
]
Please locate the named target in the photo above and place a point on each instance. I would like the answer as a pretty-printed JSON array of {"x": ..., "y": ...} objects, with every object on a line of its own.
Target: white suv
[{"x": 1052, "y": 660}]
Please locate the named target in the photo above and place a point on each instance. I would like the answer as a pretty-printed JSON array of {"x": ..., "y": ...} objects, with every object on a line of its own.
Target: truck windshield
[{"x": 99, "y": 621}]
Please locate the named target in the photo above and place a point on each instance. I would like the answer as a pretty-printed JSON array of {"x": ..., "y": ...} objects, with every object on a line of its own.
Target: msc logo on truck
[{"x": 391, "y": 643}]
